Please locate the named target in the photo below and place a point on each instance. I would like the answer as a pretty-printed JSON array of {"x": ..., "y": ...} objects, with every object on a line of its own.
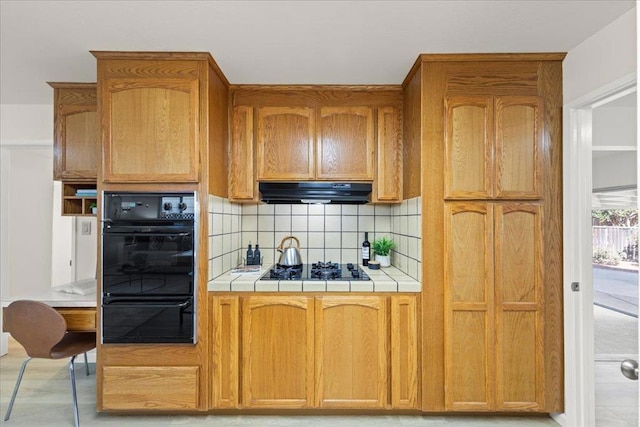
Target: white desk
[{"x": 75, "y": 308}]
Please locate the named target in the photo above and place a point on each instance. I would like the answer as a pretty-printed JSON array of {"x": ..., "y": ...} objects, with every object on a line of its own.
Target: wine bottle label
[{"x": 365, "y": 253}]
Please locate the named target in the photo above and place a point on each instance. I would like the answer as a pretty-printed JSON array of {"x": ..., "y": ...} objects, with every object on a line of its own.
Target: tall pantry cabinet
[
  {"x": 164, "y": 128},
  {"x": 488, "y": 132}
]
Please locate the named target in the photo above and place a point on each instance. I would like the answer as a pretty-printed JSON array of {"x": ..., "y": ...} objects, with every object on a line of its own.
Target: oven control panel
[{"x": 149, "y": 206}]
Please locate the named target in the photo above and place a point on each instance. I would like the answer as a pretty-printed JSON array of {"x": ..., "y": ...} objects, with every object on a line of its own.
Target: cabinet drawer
[
  {"x": 150, "y": 387},
  {"x": 79, "y": 319}
]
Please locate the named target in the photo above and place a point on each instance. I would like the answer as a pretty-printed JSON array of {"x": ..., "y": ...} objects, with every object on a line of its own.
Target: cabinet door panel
[
  {"x": 153, "y": 132},
  {"x": 518, "y": 151},
  {"x": 345, "y": 143},
  {"x": 518, "y": 361},
  {"x": 468, "y": 147},
  {"x": 78, "y": 157},
  {"x": 277, "y": 362},
  {"x": 404, "y": 352},
  {"x": 469, "y": 315},
  {"x": 388, "y": 182},
  {"x": 519, "y": 307},
  {"x": 225, "y": 350},
  {"x": 241, "y": 176},
  {"x": 285, "y": 143},
  {"x": 351, "y": 352}
]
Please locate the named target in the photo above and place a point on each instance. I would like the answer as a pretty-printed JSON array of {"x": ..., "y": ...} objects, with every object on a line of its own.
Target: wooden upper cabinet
[
  {"x": 150, "y": 130},
  {"x": 388, "y": 182},
  {"x": 518, "y": 147},
  {"x": 242, "y": 181},
  {"x": 346, "y": 143},
  {"x": 76, "y": 137},
  {"x": 351, "y": 352},
  {"x": 277, "y": 352},
  {"x": 493, "y": 147},
  {"x": 285, "y": 143},
  {"x": 468, "y": 147}
]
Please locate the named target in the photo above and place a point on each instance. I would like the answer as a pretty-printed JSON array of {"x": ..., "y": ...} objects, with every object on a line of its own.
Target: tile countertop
[
  {"x": 388, "y": 279},
  {"x": 67, "y": 295}
]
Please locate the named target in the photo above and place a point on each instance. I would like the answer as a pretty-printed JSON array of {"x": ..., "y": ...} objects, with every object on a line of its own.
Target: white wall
[
  {"x": 614, "y": 126},
  {"x": 86, "y": 253},
  {"x": 605, "y": 57},
  {"x": 28, "y": 233},
  {"x": 613, "y": 169},
  {"x": 599, "y": 64},
  {"x": 26, "y": 124}
]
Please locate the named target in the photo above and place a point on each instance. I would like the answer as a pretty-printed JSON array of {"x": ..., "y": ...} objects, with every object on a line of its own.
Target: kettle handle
[{"x": 280, "y": 247}]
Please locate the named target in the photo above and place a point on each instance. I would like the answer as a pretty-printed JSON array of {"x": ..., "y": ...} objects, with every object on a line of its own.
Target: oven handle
[
  {"x": 147, "y": 303},
  {"x": 141, "y": 233}
]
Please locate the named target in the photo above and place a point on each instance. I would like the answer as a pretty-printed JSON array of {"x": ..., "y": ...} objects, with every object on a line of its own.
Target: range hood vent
[{"x": 353, "y": 193}]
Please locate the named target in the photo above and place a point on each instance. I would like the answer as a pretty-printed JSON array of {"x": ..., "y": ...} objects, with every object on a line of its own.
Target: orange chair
[{"x": 42, "y": 331}]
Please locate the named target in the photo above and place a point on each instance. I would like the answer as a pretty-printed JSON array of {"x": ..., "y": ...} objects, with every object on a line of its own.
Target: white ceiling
[{"x": 274, "y": 42}]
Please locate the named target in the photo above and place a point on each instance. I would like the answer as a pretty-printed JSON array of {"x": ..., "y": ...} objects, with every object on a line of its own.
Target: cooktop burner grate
[{"x": 316, "y": 271}]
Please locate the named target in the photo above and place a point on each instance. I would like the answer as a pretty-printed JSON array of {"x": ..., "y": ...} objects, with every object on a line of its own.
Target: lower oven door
[{"x": 138, "y": 320}]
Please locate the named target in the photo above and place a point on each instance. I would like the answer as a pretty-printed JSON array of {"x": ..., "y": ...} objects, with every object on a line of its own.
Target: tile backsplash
[
  {"x": 406, "y": 228},
  {"x": 326, "y": 232},
  {"x": 225, "y": 220}
]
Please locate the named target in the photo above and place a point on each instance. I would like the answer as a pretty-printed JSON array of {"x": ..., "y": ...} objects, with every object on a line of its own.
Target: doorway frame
[{"x": 579, "y": 364}]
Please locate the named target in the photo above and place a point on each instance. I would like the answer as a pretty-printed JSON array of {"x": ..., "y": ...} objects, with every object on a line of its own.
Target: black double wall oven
[{"x": 149, "y": 267}]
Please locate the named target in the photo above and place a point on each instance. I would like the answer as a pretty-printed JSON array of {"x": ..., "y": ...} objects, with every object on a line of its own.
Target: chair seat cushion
[{"x": 74, "y": 343}]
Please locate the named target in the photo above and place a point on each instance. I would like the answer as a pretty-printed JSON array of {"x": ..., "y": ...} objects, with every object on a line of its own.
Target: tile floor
[{"x": 44, "y": 399}]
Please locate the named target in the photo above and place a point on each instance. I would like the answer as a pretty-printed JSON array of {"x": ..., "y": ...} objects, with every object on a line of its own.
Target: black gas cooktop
[{"x": 316, "y": 271}]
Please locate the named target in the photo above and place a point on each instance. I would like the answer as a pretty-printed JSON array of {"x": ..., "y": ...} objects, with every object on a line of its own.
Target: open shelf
[{"x": 77, "y": 205}]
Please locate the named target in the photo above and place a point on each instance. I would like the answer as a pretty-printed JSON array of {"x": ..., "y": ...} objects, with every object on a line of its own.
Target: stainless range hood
[{"x": 353, "y": 193}]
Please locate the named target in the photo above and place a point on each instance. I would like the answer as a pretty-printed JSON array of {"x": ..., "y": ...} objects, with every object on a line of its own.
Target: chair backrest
[{"x": 35, "y": 325}]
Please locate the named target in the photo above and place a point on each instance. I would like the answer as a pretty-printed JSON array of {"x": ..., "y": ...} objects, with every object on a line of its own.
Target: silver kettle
[{"x": 289, "y": 256}]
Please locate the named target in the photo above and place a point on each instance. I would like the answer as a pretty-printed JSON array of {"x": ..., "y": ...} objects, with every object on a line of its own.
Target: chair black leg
[
  {"x": 15, "y": 389},
  {"x": 72, "y": 375},
  {"x": 86, "y": 362}
]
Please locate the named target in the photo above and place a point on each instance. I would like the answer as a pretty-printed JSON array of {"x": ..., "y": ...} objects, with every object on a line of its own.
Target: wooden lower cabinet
[
  {"x": 351, "y": 351},
  {"x": 494, "y": 305},
  {"x": 171, "y": 388},
  {"x": 277, "y": 352},
  {"x": 225, "y": 350},
  {"x": 404, "y": 352},
  {"x": 328, "y": 351}
]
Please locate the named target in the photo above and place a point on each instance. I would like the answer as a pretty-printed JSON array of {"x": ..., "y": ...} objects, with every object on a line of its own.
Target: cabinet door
[
  {"x": 469, "y": 307},
  {"x": 277, "y": 352},
  {"x": 388, "y": 182},
  {"x": 285, "y": 143},
  {"x": 345, "y": 143},
  {"x": 468, "y": 167},
  {"x": 404, "y": 352},
  {"x": 518, "y": 147},
  {"x": 351, "y": 352},
  {"x": 225, "y": 351},
  {"x": 241, "y": 176},
  {"x": 150, "y": 130},
  {"x": 519, "y": 307},
  {"x": 76, "y": 136}
]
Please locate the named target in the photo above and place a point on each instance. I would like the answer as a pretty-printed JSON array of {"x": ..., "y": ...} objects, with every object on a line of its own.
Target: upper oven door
[{"x": 140, "y": 260}]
